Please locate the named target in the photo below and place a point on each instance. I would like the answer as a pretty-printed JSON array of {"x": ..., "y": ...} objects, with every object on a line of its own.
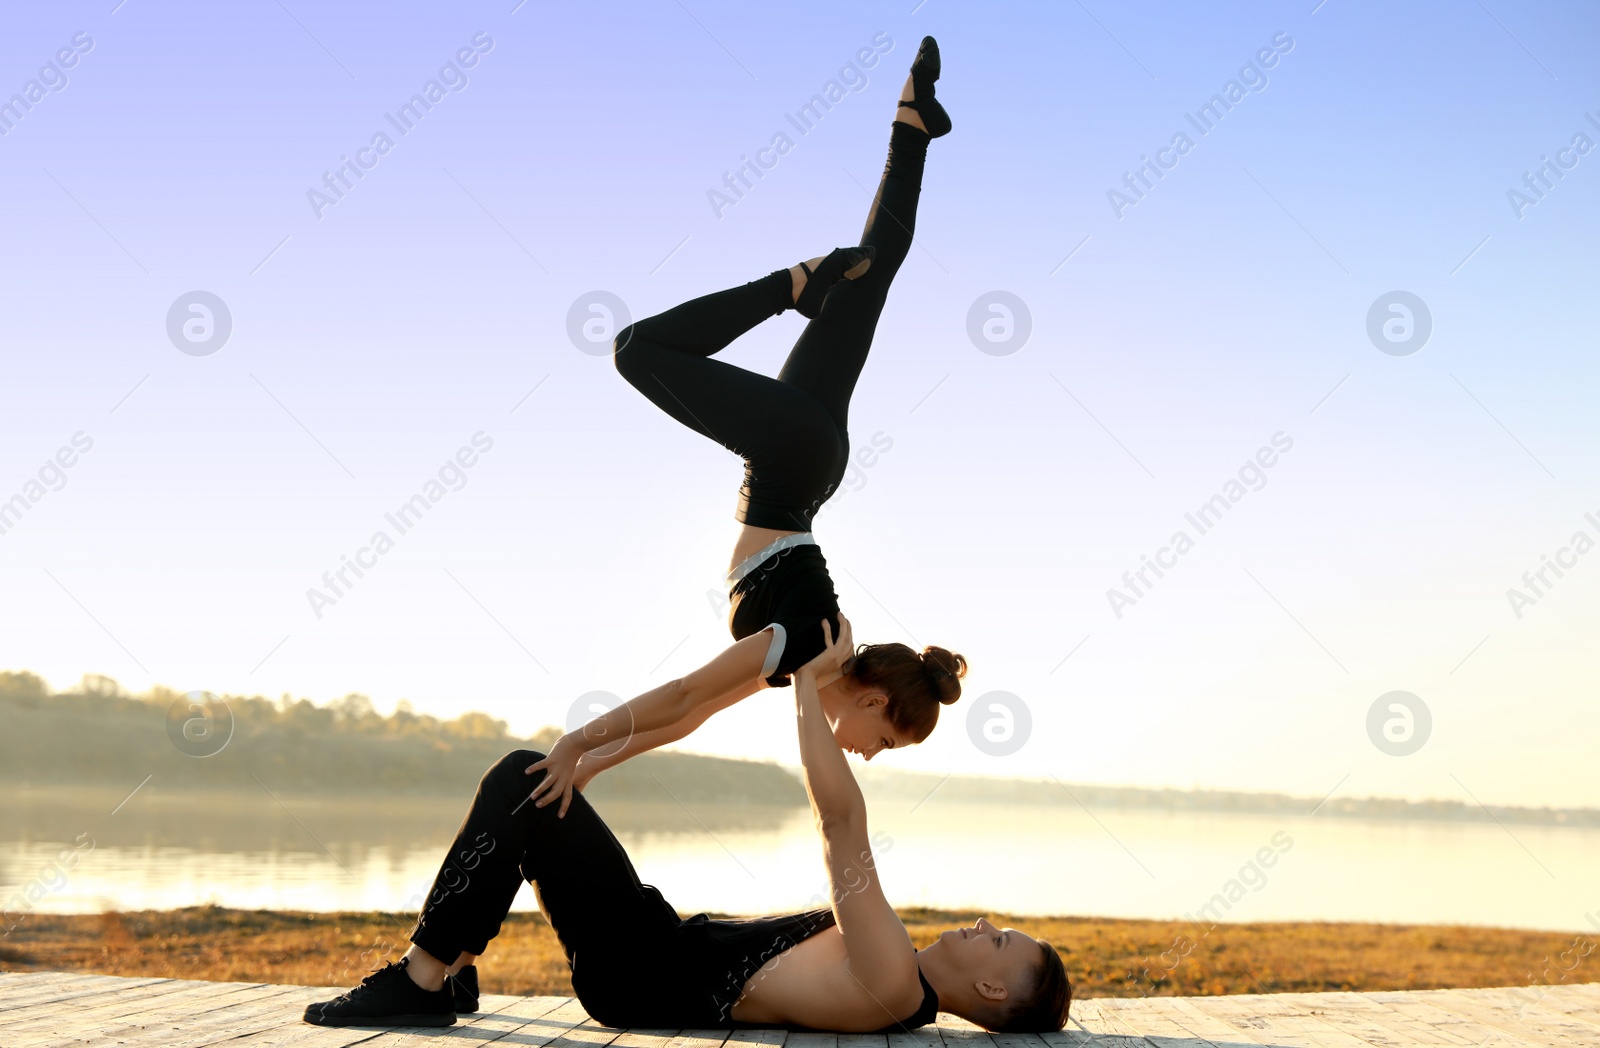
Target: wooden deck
[{"x": 39, "y": 1009}]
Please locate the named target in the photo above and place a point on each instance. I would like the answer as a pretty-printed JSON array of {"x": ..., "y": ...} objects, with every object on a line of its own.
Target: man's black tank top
[{"x": 726, "y": 953}]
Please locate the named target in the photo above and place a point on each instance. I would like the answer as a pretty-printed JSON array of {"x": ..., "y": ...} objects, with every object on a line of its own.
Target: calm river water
[{"x": 163, "y": 850}]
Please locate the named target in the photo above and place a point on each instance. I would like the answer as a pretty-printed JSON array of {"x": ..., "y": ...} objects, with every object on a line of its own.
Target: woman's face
[{"x": 862, "y": 727}]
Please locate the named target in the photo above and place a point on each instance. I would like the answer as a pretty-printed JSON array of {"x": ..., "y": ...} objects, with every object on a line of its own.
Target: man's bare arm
[{"x": 881, "y": 958}]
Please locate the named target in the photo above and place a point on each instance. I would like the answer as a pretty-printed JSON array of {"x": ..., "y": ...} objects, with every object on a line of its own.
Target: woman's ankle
[
  {"x": 798, "y": 278},
  {"x": 910, "y": 117}
]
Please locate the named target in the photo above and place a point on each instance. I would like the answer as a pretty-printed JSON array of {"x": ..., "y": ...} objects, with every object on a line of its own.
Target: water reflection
[{"x": 164, "y": 850}]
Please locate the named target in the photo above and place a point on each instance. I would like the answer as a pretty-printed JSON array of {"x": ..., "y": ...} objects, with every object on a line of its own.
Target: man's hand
[
  {"x": 560, "y": 767},
  {"x": 836, "y": 651}
]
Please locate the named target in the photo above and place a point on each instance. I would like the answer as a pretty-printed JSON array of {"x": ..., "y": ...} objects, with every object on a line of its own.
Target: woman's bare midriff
[{"x": 753, "y": 540}]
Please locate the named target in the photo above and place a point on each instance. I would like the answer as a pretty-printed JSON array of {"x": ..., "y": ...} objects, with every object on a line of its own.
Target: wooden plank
[
  {"x": 80, "y": 991},
  {"x": 1540, "y": 998},
  {"x": 1368, "y": 1020},
  {"x": 22, "y": 990},
  {"x": 25, "y": 982},
  {"x": 1357, "y": 1018},
  {"x": 272, "y": 1022},
  {"x": 1100, "y": 1026},
  {"x": 1274, "y": 1019},
  {"x": 1578, "y": 1004},
  {"x": 131, "y": 1021},
  {"x": 110, "y": 1006},
  {"x": 1071, "y": 1037},
  {"x": 215, "y": 1020},
  {"x": 957, "y": 1032},
  {"x": 863, "y": 1040},
  {"x": 1017, "y": 1040},
  {"x": 811, "y": 1039},
  {"x": 74, "y": 1008},
  {"x": 288, "y": 1027},
  {"x": 1382, "y": 1025},
  {"x": 501, "y": 1019},
  {"x": 644, "y": 1039},
  {"x": 110, "y": 1000},
  {"x": 699, "y": 1039},
  {"x": 921, "y": 1037},
  {"x": 548, "y": 1025},
  {"x": 1424, "y": 1006},
  {"x": 568, "y": 1026},
  {"x": 1235, "y": 1029},
  {"x": 1496, "y": 1010},
  {"x": 100, "y": 984},
  {"x": 587, "y": 1034},
  {"x": 1220, "y": 1030},
  {"x": 278, "y": 1011},
  {"x": 1155, "y": 1022},
  {"x": 1415, "y": 1006},
  {"x": 22, "y": 975}
]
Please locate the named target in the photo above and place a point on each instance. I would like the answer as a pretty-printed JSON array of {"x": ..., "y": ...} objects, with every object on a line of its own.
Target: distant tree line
[
  {"x": 98, "y": 734},
  {"x": 884, "y": 785}
]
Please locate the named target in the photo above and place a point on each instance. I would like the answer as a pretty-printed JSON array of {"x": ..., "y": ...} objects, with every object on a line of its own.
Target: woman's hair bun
[{"x": 945, "y": 669}]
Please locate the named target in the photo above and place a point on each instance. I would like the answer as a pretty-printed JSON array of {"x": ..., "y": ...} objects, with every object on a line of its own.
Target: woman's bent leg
[{"x": 780, "y": 431}]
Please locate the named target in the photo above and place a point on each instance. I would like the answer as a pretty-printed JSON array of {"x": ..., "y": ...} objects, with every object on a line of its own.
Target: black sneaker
[
  {"x": 387, "y": 997},
  {"x": 464, "y": 984}
]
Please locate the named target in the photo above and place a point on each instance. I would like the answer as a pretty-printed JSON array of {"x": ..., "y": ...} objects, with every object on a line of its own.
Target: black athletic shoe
[
  {"x": 464, "y": 984},
  {"x": 830, "y": 271},
  {"x": 924, "y": 71},
  {"x": 387, "y": 997}
]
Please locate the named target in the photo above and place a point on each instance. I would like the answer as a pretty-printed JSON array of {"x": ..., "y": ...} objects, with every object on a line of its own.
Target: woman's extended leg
[
  {"x": 828, "y": 357},
  {"x": 791, "y": 431}
]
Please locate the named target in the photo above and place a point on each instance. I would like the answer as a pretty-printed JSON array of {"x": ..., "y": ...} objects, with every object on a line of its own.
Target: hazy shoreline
[
  {"x": 884, "y": 785},
  {"x": 97, "y": 735}
]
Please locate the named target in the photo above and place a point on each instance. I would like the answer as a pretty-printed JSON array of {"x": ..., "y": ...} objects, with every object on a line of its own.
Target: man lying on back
[{"x": 635, "y": 963}]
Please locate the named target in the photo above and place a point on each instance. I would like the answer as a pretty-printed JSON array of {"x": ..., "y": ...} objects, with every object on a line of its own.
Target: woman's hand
[
  {"x": 560, "y": 774},
  {"x": 836, "y": 651}
]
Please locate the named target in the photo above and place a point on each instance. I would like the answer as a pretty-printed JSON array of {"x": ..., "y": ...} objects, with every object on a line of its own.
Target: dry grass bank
[{"x": 1106, "y": 957}]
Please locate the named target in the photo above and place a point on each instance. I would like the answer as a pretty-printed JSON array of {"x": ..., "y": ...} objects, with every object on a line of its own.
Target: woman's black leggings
[{"x": 791, "y": 431}]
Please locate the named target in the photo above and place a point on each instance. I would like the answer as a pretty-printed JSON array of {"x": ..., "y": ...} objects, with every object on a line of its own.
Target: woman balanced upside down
[
  {"x": 792, "y": 433},
  {"x": 848, "y": 967}
]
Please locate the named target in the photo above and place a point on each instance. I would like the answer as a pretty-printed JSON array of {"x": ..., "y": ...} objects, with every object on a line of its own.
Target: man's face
[{"x": 981, "y": 952}]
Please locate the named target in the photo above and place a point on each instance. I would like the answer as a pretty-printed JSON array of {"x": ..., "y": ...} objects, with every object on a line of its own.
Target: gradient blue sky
[{"x": 1229, "y": 305}]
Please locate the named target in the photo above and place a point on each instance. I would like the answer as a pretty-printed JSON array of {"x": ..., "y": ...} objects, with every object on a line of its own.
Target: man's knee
[{"x": 514, "y": 763}]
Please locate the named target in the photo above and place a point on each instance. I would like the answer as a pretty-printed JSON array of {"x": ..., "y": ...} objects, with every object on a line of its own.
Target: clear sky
[{"x": 1174, "y": 331}]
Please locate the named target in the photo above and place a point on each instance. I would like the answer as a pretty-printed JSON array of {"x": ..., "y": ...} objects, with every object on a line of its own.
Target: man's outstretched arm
[{"x": 881, "y": 958}]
